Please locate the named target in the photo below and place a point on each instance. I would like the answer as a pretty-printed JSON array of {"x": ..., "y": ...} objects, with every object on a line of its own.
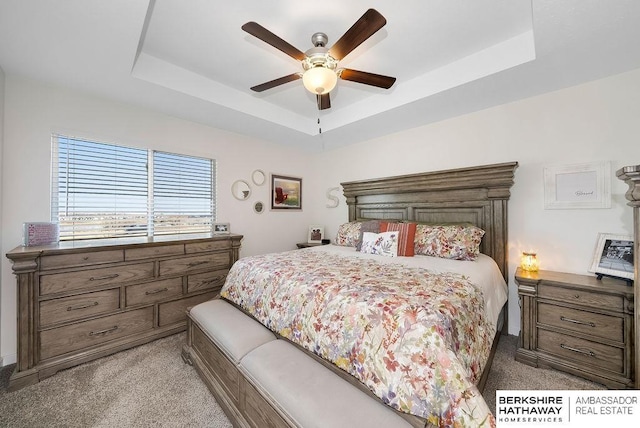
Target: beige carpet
[
  {"x": 150, "y": 386},
  {"x": 147, "y": 386}
]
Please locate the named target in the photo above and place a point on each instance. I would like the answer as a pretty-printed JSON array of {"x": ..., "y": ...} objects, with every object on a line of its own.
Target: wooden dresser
[
  {"x": 578, "y": 324},
  {"x": 81, "y": 301}
]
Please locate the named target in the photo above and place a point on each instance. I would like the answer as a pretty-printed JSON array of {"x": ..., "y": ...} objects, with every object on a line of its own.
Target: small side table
[{"x": 308, "y": 244}]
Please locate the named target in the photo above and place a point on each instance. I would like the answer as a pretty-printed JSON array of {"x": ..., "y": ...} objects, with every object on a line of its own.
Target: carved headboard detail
[
  {"x": 631, "y": 176},
  {"x": 476, "y": 195}
]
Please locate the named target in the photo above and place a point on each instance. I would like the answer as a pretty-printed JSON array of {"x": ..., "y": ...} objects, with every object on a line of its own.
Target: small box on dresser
[
  {"x": 81, "y": 301},
  {"x": 577, "y": 324}
]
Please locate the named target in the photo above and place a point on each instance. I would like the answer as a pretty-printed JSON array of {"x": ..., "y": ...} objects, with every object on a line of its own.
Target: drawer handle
[
  {"x": 156, "y": 291},
  {"x": 580, "y": 351},
  {"x": 192, "y": 264},
  {"x": 216, "y": 279},
  {"x": 84, "y": 306},
  {"x": 592, "y": 324},
  {"x": 100, "y": 278},
  {"x": 108, "y": 330}
]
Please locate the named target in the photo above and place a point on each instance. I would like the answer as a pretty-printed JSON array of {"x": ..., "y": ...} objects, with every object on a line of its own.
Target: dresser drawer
[
  {"x": 581, "y": 297},
  {"x": 596, "y": 325},
  {"x": 158, "y": 251},
  {"x": 195, "y": 264},
  {"x": 202, "y": 281},
  {"x": 81, "y": 259},
  {"x": 173, "y": 312},
  {"x": 77, "y": 307},
  {"x": 201, "y": 247},
  {"x": 60, "y": 282},
  {"x": 73, "y": 337},
  {"x": 581, "y": 351},
  {"x": 152, "y": 292}
]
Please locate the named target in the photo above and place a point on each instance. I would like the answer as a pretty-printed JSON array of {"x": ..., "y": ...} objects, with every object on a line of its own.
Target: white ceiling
[{"x": 190, "y": 58}]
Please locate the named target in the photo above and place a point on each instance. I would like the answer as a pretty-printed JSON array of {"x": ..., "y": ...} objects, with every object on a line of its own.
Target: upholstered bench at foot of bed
[
  {"x": 232, "y": 331},
  {"x": 260, "y": 380},
  {"x": 309, "y": 393}
]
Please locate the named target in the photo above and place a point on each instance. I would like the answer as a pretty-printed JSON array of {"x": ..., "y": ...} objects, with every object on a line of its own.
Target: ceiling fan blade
[
  {"x": 364, "y": 28},
  {"x": 267, "y": 36},
  {"x": 324, "y": 102},
  {"x": 367, "y": 78},
  {"x": 276, "y": 82}
]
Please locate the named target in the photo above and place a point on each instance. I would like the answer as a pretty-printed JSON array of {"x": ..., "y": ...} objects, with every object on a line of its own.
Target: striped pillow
[{"x": 407, "y": 232}]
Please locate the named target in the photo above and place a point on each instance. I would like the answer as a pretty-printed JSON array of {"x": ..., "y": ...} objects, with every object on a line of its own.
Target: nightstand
[
  {"x": 577, "y": 324},
  {"x": 308, "y": 244}
]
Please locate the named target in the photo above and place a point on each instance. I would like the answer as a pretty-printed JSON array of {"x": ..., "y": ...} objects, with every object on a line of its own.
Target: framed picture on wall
[
  {"x": 286, "y": 193},
  {"x": 613, "y": 256},
  {"x": 585, "y": 185}
]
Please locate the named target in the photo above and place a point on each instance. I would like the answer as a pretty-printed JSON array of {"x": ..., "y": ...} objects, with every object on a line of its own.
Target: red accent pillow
[{"x": 406, "y": 236}]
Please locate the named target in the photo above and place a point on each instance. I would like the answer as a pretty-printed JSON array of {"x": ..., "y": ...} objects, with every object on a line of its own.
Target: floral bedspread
[{"x": 417, "y": 339}]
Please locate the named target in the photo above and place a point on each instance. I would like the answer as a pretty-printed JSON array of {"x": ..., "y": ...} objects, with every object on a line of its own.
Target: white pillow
[{"x": 383, "y": 244}]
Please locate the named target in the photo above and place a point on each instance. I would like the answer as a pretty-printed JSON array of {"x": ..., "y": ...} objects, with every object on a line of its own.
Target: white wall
[
  {"x": 591, "y": 122},
  {"x": 34, "y": 111}
]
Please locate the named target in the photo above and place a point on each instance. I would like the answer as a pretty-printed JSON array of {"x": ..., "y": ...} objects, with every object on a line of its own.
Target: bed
[{"x": 415, "y": 336}]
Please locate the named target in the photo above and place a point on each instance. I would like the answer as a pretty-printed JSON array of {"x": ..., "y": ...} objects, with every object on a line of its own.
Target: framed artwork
[
  {"x": 316, "y": 234},
  {"x": 221, "y": 228},
  {"x": 613, "y": 256},
  {"x": 286, "y": 193},
  {"x": 586, "y": 185}
]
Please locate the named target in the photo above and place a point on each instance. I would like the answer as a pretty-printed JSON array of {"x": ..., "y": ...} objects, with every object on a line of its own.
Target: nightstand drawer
[
  {"x": 581, "y": 351},
  {"x": 581, "y": 297},
  {"x": 596, "y": 325}
]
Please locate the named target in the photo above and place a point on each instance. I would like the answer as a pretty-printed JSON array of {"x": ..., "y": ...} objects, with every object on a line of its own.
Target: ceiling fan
[{"x": 320, "y": 64}]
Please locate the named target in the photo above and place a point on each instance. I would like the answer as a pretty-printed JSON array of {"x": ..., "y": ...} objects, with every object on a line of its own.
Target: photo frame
[
  {"x": 578, "y": 186},
  {"x": 221, "y": 228},
  {"x": 316, "y": 234},
  {"x": 613, "y": 256},
  {"x": 286, "y": 192}
]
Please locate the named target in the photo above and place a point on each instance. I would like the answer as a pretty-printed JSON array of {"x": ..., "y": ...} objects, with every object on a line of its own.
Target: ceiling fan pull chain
[{"x": 319, "y": 127}]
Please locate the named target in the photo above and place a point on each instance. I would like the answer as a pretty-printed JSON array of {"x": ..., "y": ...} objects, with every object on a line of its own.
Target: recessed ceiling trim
[
  {"x": 499, "y": 57},
  {"x": 163, "y": 73}
]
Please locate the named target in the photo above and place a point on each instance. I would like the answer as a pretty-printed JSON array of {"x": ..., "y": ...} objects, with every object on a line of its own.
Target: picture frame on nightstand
[
  {"x": 315, "y": 235},
  {"x": 613, "y": 256}
]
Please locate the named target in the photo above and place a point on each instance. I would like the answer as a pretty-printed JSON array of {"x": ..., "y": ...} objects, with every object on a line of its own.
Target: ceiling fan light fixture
[{"x": 319, "y": 80}]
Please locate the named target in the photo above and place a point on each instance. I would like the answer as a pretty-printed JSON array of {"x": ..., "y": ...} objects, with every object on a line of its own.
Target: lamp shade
[
  {"x": 529, "y": 261},
  {"x": 319, "y": 80}
]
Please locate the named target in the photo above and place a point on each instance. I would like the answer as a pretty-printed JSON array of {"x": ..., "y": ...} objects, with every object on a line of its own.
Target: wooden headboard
[{"x": 476, "y": 195}]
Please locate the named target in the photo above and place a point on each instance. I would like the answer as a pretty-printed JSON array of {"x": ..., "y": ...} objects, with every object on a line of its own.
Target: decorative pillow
[
  {"x": 348, "y": 234},
  {"x": 450, "y": 242},
  {"x": 383, "y": 244},
  {"x": 405, "y": 239},
  {"x": 367, "y": 226}
]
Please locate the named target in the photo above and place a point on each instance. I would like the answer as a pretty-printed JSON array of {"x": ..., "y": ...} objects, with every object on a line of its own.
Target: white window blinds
[
  {"x": 107, "y": 191},
  {"x": 183, "y": 194}
]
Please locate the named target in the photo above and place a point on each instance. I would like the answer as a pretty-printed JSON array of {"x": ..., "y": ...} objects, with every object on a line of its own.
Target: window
[{"x": 102, "y": 190}]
